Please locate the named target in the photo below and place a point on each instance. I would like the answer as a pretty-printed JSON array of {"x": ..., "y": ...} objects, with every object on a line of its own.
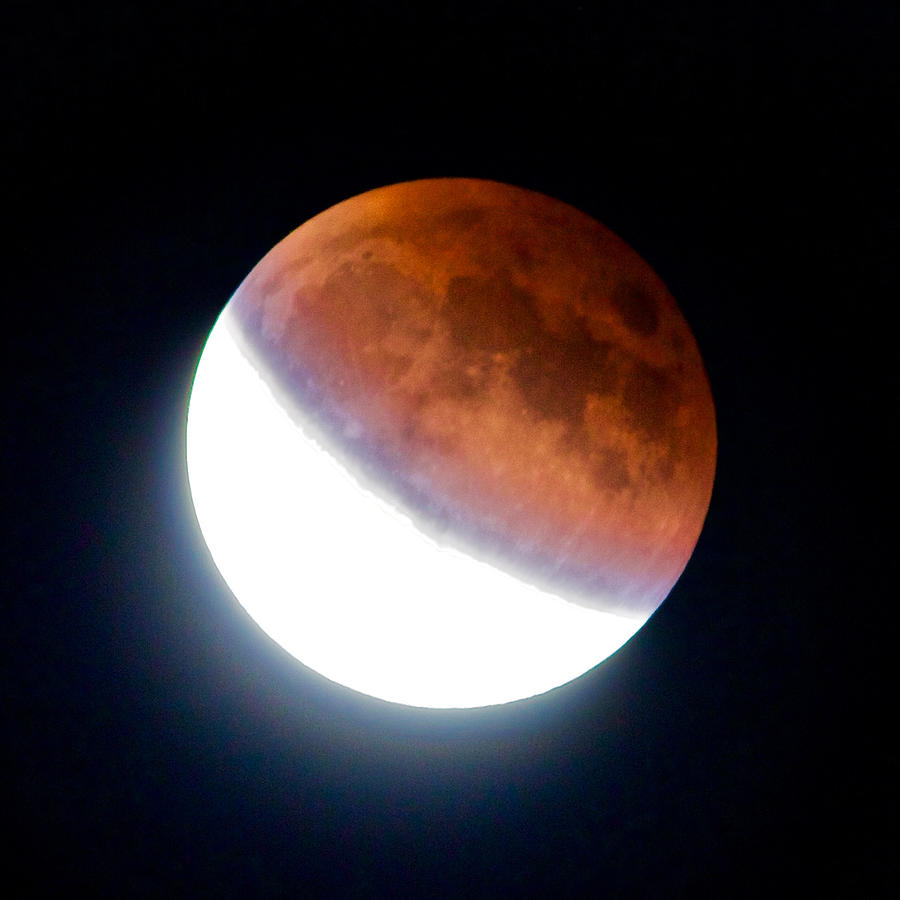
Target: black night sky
[{"x": 159, "y": 744}]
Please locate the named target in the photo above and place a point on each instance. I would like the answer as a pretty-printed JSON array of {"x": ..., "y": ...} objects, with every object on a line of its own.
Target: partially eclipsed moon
[{"x": 451, "y": 443}]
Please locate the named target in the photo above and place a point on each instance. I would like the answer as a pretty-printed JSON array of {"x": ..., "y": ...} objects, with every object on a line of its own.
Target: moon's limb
[{"x": 345, "y": 582}]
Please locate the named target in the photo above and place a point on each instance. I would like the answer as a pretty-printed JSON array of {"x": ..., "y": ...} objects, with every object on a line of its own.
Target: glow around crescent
[{"x": 346, "y": 583}]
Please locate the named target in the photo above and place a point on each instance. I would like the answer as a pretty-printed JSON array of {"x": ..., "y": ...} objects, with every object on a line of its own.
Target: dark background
[{"x": 159, "y": 744}]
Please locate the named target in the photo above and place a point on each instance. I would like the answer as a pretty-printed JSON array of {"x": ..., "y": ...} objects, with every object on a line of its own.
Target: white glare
[{"x": 345, "y": 582}]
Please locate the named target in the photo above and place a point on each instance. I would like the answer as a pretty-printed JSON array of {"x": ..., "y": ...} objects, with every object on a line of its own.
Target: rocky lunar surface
[{"x": 504, "y": 368}]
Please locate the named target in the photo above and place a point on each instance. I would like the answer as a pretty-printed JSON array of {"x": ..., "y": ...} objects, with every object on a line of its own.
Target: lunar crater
[{"x": 637, "y": 307}]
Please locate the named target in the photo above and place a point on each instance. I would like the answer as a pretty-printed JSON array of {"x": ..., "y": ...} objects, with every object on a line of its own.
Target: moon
[{"x": 451, "y": 443}]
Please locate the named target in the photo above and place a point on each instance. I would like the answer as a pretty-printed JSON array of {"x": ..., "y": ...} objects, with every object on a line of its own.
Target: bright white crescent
[{"x": 349, "y": 585}]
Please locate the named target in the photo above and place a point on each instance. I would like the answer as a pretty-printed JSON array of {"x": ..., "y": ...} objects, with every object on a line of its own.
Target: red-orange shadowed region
[{"x": 506, "y": 369}]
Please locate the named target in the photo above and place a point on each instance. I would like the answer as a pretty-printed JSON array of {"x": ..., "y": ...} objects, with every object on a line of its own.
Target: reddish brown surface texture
[{"x": 508, "y": 369}]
